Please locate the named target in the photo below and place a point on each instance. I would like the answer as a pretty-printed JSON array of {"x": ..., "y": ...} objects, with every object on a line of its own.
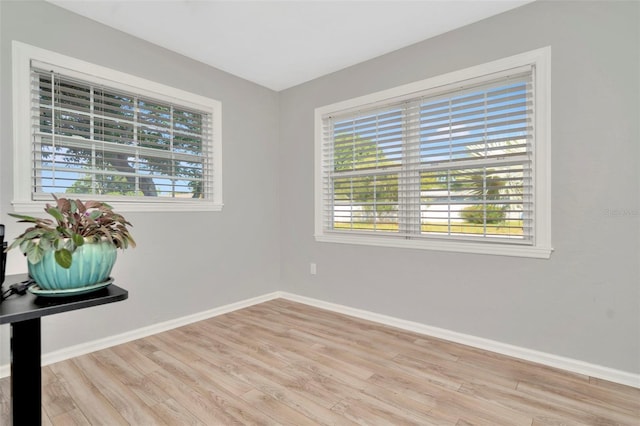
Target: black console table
[{"x": 24, "y": 313}]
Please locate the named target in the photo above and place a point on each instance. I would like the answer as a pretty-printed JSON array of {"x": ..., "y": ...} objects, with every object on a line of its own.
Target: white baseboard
[{"x": 564, "y": 363}]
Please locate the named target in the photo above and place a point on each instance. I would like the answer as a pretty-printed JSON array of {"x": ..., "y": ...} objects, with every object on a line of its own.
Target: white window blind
[
  {"x": 452, "y": 163},
  {"x": 93, "y": 139}
]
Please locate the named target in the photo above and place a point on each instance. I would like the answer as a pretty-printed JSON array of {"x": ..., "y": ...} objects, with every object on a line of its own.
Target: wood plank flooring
[{"x": 286, "y": 363}]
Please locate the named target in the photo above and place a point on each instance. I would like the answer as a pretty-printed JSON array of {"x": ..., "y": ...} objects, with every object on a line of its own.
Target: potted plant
[{"x": 77, "y": 247}]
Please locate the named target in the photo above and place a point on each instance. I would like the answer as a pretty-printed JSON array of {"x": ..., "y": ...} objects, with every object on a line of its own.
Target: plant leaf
[
  {"x": 63, "y": 258},
  {"x": 55, "y": 213},
  {"x": 26, "y": 246},
  {"x": 24, "y": 218},
  {"x": 45, "y": 243},
  {"x": 78, "y": 239},
  {"x": 92, "y": 204},
  {"x": 81, "y": 206},
  {"x": 64, "y": 205},
  {"x": 69, "y": 244},
  {"x": 35, "y": 254},
  {"x": 64, "y": 232},
  {"x": 17, "y": 242},
  {"x": 33, "y": 233}
]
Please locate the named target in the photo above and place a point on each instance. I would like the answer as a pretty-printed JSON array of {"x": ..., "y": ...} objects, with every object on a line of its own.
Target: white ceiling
[{"x": 279, "y": 44}]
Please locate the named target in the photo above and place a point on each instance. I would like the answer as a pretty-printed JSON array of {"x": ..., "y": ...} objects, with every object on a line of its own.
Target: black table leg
[{"x": 26, "y": 380}]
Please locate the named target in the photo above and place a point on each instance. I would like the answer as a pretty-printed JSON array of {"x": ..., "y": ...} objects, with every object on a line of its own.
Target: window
[
  {"x": 457, "y": 163},
  {"x": 100, "y": 134}
]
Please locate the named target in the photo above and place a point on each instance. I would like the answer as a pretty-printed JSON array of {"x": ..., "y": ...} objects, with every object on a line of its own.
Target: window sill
[{"x": 449, "y": 246}]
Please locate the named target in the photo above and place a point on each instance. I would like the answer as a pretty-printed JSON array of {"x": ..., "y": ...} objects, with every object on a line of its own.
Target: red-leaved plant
[{"x": 74, "y": 224}]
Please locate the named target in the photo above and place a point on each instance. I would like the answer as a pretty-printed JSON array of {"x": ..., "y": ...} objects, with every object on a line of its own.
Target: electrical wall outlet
[{"x": 313, "y": 268}]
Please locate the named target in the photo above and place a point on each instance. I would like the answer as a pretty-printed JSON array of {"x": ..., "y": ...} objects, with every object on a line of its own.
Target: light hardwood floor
[{"x": 282, "y": 362}]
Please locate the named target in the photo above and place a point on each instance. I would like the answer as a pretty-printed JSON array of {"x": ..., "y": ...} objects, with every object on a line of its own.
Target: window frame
[
  {"x": 22, "y": 56},
  {"x": 541, "y": 169}
]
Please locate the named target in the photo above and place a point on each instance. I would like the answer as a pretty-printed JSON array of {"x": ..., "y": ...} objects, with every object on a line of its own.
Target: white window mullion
[
  {"x": 409, "y": 178},
  {"x": 485, "y": 209},
  {"x": 54, "y": 123},
  {"x": 449, "y": 191},
  {"x": 327, "y": 194},
  {"x": 136, "y": 141},
  {"x": 529, "y": 175},
  {"x": 92, "y": 124},
  {"x": 172, "y": 151}
]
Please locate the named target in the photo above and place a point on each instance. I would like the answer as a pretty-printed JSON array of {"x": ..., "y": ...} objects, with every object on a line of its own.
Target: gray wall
[
  {"x": 584, "y": 302},
  {"x": 185, "y": 262}
]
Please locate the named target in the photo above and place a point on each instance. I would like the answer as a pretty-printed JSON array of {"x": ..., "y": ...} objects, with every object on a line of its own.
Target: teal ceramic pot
[{"x": 91, "y": 264}]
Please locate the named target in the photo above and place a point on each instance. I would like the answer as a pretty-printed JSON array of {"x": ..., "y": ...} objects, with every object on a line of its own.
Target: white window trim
[
  {"x": 22, "y": 164},
  {"x": 541, "y": 247}
]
